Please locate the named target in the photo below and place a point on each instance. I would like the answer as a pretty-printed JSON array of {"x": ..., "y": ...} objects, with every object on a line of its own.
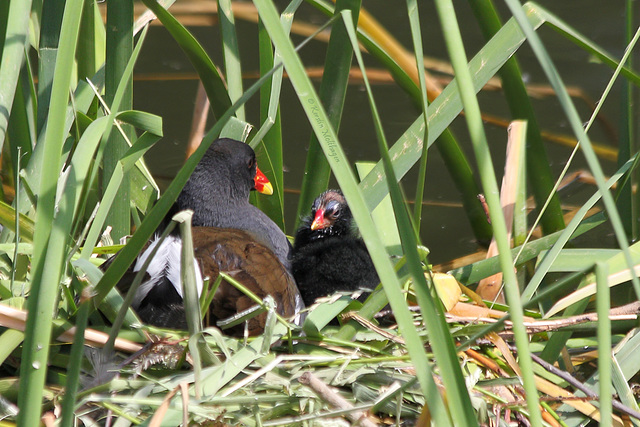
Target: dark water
[{"x": 445, "y": 228}]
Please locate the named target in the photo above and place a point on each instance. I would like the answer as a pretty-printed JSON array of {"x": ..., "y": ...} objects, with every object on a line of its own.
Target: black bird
[
  {"x": 229, "y": 235},
  {"x": 328, "y": 254}
]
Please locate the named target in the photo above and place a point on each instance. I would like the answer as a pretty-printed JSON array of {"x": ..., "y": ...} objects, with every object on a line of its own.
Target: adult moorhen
[
  {"x": 328, "y": 254},
  {"x": 229, "y": 235}
]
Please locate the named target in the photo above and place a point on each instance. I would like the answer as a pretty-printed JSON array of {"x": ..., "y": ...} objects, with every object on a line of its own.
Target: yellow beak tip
[{"x": 267, "y": 189}]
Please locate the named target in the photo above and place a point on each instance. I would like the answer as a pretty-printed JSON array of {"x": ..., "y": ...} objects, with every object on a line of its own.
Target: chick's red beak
[
  {"x": 262, "y": 184},
  {"x": 319, "y": 221}
]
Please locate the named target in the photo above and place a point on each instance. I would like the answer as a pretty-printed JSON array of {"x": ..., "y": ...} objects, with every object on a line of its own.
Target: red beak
[
  {"x": 262, "y": 184},
  {"x": 319, "y": 220}
]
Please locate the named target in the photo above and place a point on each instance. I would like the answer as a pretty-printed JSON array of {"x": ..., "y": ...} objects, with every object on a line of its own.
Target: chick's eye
[{"x": 333, "y": 208}]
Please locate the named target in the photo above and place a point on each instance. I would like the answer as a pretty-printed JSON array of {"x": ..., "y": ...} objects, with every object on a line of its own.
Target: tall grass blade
[
  {"x": 558, "y": 340},
  {"x": 75, "y": 364},
  {"x": 473, "y": 118},
  {"x": 190, "y": 287},
  {"x": 231, "y": 54},
  {"x": 49, "y": 242},
  {"x": 83, "y": 97},
  {"x": 92, "y": 42},
  {"x": 332, "y": 92},
  {"x": 269, "y": 153},
  {"x": 47, "y": 52},
  {"x": 190, "y": 292},
  {"x": 519, "y": 131},
  {"x": 119, "y": 172},
  {"x": 4, "y": 17},
  {"x": 629, "y": 165},
  {"x": 119, "y": 50},
  {"x": 460, "y": 408},
  {"x": 576, "y": 126},
  {"x": 540, "y": 177},
  {"x": 603, "y": 305},
  {"x": 12, "y": 54},
  {"x": 21, "y": 130},
  {"x": 144, "y": 143},
  {"x": 627, "y": 203},
  {"x": 333, "y": 151},
  {"x": 416, "y": 35},
  {"x": 382, "y": 216}
]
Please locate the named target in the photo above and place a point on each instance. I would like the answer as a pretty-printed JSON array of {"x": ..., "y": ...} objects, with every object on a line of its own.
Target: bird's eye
[
  {"x": 251, "y": 163},
  {"x": 333, "y": 208}
]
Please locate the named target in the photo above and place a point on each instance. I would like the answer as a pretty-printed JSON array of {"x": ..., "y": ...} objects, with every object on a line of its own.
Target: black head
[
  {"x": 229, "y": 165},
  {"x": 227, "y": 172},
  {"x": 330, "y": 215}
]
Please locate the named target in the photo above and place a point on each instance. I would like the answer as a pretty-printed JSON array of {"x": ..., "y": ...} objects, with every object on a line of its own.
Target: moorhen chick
[
  {"x": 328, "y": 254},
  {"x": 229, "y": 235}
]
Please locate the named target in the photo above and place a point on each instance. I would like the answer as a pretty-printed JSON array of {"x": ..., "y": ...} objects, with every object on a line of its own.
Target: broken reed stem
[{"x": 334, "y": 399}]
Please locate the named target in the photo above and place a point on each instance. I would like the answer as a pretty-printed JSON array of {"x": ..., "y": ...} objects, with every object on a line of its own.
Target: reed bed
[{"x": 528, "y": 332}]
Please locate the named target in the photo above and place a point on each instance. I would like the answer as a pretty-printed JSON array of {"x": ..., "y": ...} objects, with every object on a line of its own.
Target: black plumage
[
  {"x": 229, "y": 235},
  {"x": 218, "y": 194},
  {"x": 328, "y": 254}
]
